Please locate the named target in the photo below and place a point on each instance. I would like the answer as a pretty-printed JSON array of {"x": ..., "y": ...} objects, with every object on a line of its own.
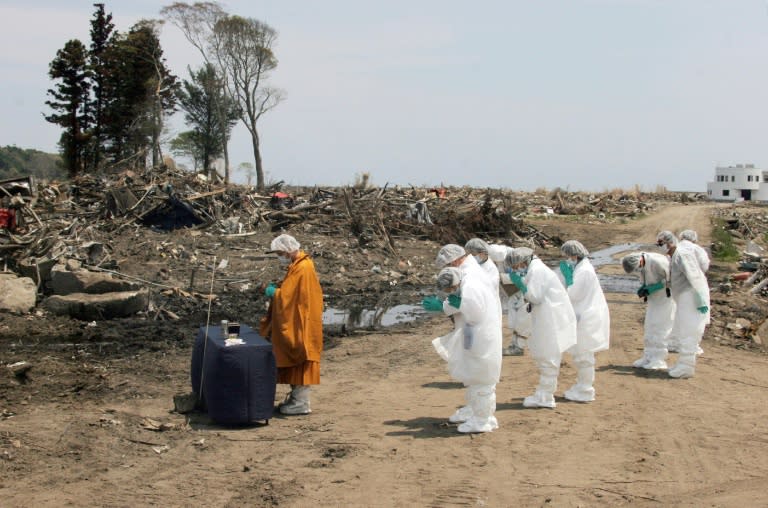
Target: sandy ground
[{"x": 379, "y": 436}]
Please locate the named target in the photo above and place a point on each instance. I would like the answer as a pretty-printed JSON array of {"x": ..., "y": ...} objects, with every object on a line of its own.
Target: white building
[{"x": 742, "y": 182}]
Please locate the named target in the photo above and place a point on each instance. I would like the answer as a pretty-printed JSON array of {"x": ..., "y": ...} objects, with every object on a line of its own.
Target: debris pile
[
  {"x": 72, "y": 228},
  {"x": 740, "y": 310}
]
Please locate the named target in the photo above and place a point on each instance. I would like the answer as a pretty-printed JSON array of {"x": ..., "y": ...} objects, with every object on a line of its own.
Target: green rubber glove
[
  {"x": 432, "y": 304},
  {"x": 517, "y": 280},
  {"x": 454, "y": 300},
  {"x": 567, "y": 270},
  {"x": 270, "y": 290},
  {"x": 701, "y": 303},
  {"x": 655, "y": 287}
]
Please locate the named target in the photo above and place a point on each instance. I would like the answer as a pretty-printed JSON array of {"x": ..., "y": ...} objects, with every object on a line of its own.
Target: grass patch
[{"x": 722, "y": 243}]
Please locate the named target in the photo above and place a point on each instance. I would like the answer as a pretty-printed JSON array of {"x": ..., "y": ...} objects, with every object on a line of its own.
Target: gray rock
[
  {"x": 98, "y": 306},
  {"x": 65, "y": 282},
  {"x": 17, "y": 294}
]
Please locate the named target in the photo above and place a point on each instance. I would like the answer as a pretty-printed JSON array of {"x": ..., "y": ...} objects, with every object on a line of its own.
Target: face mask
[
  {"x": 480, "y": 260},
  {"x": 571, "y": 262},
  {"x": 283, "y": 260},
  {"x": 522, "y": 272}
]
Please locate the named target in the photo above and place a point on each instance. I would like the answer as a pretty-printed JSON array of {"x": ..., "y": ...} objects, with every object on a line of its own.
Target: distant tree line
[
  {"x": 17, "y": 162},
  {"x": 111, "y": 98}
]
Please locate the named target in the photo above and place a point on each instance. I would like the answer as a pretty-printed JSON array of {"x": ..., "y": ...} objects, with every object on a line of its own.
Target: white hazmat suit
[
  {"x": 553, "y": 329},
  {"x": 660, "y": 310},
  {"x": 593, "y": 327},
  {"x": 690, "y": 291},
  {"x": 518, "y": 318},
  {"x": 473, "y": 349}
]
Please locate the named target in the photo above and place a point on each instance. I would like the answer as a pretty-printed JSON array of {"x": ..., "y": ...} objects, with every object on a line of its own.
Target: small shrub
[{"x": 722, "y": 243}]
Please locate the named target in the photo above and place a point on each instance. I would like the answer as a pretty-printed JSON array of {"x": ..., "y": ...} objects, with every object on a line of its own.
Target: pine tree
[
  {"x": 69, "y": 101},
  {"x": 140, "y": 91},
  {"x": 101, "y": 32}
]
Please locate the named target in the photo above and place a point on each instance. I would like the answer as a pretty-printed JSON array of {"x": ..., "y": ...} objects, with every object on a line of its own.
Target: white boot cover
[
  {"x": 583, "y": 390},
  {"x": 464, "y": 413},
  {"x": 545, "y": 392},
  {"x": 657, "y": 358},
  {"x": 298, "y": 404},
  {"x": 686, "y": 360},
  {"x": 483, "y": 406}
]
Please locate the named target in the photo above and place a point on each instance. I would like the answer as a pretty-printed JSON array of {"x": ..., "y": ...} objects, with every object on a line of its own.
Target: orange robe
[{"x": 294, "y": 324}]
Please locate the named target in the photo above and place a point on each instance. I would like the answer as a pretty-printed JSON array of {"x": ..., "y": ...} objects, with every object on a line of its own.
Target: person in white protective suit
[
  {"x": 478, "y": 249},
  {"x": 553, "y": 322},
  {"x": 690, "y": 238},
  {"x": 473, "y": 348},
  {"x": 660, "y": 311},
  {"x": 690, "y": 291},
  {"x": 518, "y": 318},
  {"x": 452, "y": 255},
  {"x": 593, "y": 324}
]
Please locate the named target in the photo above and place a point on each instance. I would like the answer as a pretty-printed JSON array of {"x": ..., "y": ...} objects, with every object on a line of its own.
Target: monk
[{"x": 294, "y": 324}]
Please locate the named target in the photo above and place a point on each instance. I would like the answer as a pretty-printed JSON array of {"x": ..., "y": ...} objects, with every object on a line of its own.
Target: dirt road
[{"x": 379, "y": 434}]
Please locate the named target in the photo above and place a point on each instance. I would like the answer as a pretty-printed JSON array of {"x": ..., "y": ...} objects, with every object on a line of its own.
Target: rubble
[{"x": 68, "y": 230}]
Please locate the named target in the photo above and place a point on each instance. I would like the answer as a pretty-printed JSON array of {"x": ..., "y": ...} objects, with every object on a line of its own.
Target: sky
[{"x": 585, "y": 95}]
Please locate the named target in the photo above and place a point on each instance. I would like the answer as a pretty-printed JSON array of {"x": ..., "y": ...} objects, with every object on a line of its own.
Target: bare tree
[
  {"x": 244, "y": 49},
  {"x": 196, "y": 22}
]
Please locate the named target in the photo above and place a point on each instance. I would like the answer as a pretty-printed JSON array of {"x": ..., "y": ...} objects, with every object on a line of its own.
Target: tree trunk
[
  {"x": 257, "y": 160},
  {"x": 226, "y": 162}
]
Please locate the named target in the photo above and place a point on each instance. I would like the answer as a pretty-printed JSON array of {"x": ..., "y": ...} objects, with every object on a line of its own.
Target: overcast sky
[{"x": 520, "y": 94}]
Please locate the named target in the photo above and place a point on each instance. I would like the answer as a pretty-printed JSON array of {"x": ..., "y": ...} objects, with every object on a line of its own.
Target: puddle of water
[
  {"x": 367, "y": 318},
  {"x": 625, "y": 283},
  {"x": 618, "y": 283},
  {"x": 610, "y": 255}
]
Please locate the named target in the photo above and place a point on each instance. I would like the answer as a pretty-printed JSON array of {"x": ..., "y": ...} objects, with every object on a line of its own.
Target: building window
[
  {"x": 726, "y": 192},
  {"x": 749, "y": 178},
  {"x": 765, "y": 178},
  {"x": 733, "y": 178}
]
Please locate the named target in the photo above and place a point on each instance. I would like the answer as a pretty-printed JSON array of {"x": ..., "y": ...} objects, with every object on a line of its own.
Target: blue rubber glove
[
  {"x": 432, "y": 304},
  {"x": 270, "y": 290},
  {"x": 655, "y": 287},
  {"x": 517, "y": 280},
  {"x": 703, "y": 309},
  {"x": 454, "y": 300},
  {"x": 567, "y": 270}
]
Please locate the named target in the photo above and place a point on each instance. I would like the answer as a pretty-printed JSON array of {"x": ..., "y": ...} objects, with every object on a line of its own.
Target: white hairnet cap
[
  {"x": 631, "y": 262},
  {"x": 574, "y": 248},
  {"x": 449, "y": 253},
  {"x": 497, "y": 253},
  {"x": 448, "y": 277},
  {"x": 689, "y": 235},
  {"x": 284, "y": 243},
  {"x": 666, "y": 237},
  {"x": 517, "y": 256},
  {"x": 476, "y": 245}
]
